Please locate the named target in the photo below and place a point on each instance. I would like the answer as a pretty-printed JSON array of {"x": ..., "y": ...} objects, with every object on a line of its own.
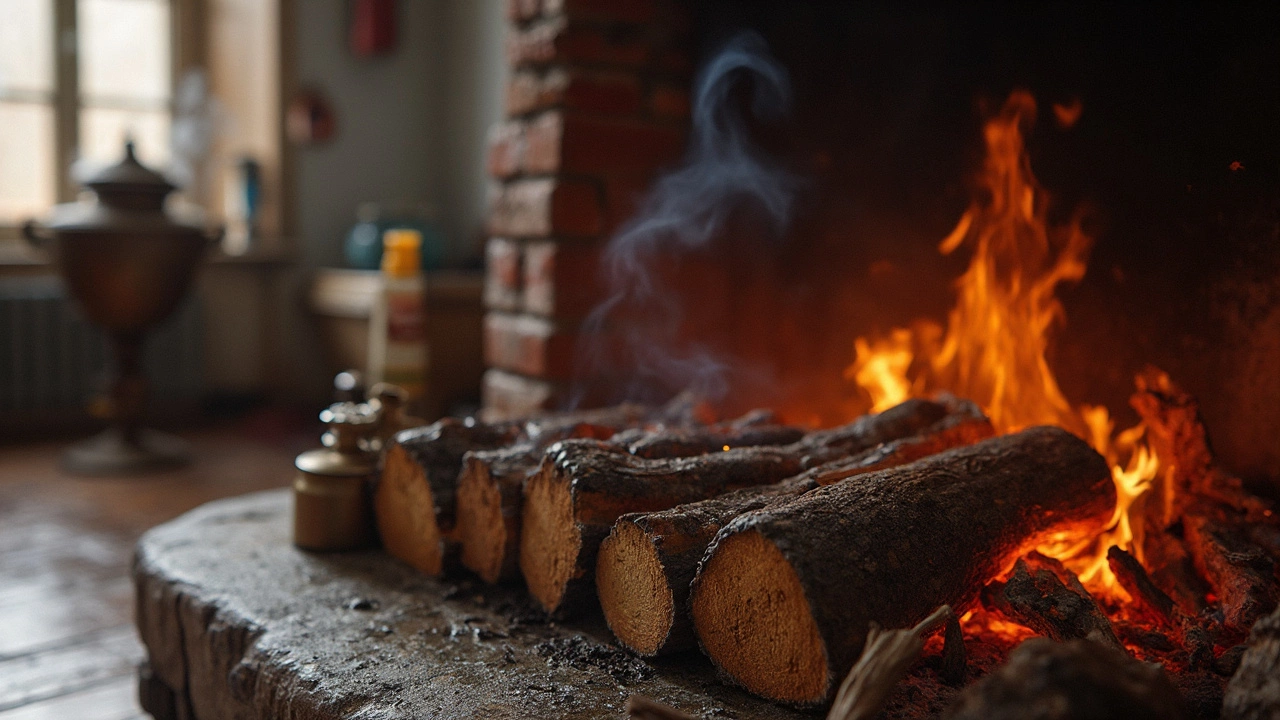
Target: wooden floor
[{"x": 67, "y": 644}]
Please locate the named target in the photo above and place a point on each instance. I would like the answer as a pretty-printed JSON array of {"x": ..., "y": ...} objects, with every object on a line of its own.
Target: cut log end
[
  {"x": 550, "y": 540},
  {"x": 637, "y": 601},
  {"x": 481, "y": 528},
  {"x": 406, "y": 515},
  {"x": 755, "y": 622}
]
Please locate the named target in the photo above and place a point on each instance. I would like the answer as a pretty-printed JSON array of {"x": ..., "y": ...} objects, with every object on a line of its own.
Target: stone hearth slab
[{"x": 238, "y": 623}]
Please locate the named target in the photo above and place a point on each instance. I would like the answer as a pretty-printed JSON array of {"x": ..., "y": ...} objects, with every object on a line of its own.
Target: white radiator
[{"x": 52, "y": 361}]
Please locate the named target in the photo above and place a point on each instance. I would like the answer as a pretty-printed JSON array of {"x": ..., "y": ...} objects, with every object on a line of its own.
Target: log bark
[
  {"x": 1254, "y": 690},
  {"x": 1156, "y": 607},
  {"x": 647, "y": 563},
  {"x": 1242, "y": 574},
  {"x": 414, "y": 498},
  {"x": 784, "y": 597},
  {"x": 582, "y": 487},
  {"x": 1077, "y": 680},
  {"x": 490, "y": 484}
]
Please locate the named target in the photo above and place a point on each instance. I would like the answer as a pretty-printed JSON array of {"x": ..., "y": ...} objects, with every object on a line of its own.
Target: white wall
[{"x": 410, "y": 125}]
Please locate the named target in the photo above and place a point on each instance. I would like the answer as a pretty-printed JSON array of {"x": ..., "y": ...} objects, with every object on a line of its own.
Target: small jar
[{"x": 331, "y": 508}]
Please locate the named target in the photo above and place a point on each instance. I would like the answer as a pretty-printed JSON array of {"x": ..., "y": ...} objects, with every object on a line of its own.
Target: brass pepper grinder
[
  {"x": 390, "y": 401},
  {"x": 331, "y": 509}
]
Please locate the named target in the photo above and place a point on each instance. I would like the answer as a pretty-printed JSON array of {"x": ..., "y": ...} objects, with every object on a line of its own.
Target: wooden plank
[
  {"x": 101, "y": 657},
  {"x": 49, "y": 617},
  {"x": 115, "y": 699}
]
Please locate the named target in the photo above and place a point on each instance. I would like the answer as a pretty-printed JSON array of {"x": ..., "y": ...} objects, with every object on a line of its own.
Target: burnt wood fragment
[
  {"x": 885, "y": 659},
  {"x": 1039, "y": 599},
  {"x": 783, "y": 598},
  {"x": 1254, "y": 690},
  {"x": 1157, "y": 607},
  {"x": 1076, "y": 680},
  {"x": 1241, "y": 573}
]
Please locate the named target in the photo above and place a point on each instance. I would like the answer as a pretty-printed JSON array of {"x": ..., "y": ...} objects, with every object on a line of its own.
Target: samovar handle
[{"x": 34, "y": 236}]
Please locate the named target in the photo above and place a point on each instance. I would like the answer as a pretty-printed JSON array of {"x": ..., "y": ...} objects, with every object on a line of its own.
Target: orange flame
[{"x": 995, "y": 346}]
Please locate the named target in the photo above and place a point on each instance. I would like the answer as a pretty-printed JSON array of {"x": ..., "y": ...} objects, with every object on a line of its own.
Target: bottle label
[{"x": 405, "y": 318}]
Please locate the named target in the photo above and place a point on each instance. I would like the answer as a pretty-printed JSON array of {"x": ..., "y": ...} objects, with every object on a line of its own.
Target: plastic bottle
[{"x": 397, "y": 328}]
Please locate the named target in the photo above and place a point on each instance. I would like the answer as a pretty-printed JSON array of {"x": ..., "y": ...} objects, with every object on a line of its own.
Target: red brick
[
  {"x": 542, "y": 143},
  {"x": 528, "y": 345},
  {"x": 536, "y": 44},
  {"x": 547, "y": 206},
  {"x": 669, "y": 102},
  {"x": 507, "y": 395},
  {"x": 506, "y": 149},
  {"x": 562, "y": 279},
  {"x": 605, "y": 93},
  {"x": 503, "y": 277},
  {"x": 629, "y": 11},
  {"x": 524, "y": 10},
  {"x": 523, "y": 91},
  {"x": 615, "y": 46},
  {"x": 600, "y": 146}
]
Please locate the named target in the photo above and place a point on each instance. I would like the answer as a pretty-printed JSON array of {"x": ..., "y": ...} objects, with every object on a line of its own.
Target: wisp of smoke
[{"x": 723, "y": 173}]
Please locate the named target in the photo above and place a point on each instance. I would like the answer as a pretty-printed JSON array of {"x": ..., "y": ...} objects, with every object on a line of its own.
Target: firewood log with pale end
[
  {"x": 490, "y": 484},
  {"x": 1254, "y": 690},
  {"x": 646, "y": 564},
  {"x": 784, "y": 597},
  {"x": 582, "y": 487},
  {"x": 413, "y": 500},
  {"x": 1076, "y": 680}
]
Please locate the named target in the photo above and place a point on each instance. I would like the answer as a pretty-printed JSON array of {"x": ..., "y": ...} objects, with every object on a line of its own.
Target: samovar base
[{"x": 111, "y": 452}]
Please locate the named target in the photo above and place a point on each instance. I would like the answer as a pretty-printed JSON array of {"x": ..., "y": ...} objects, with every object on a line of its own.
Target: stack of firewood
[{"x": 776, "y": 550}]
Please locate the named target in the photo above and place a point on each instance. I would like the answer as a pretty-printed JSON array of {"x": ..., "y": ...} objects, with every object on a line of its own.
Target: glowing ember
[{"x": 995, "y": 344}]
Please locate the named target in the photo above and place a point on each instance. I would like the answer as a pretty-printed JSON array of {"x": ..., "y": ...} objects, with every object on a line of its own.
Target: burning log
[
  {"x": 490, "y": 484},
  {"x": 1075, "y": 680},
  {"x": 784, "y": 596},
  {"x": 647, "y": 563},
  {"x": 1241, "y": 573},
  {"x": 582, "y": 487},
  {"x": 1153, "y": 604},
  {"x": 1046, "y": 597},
  {"x": 414, "y": 498},
  {"x": 1254, "y": 690}
]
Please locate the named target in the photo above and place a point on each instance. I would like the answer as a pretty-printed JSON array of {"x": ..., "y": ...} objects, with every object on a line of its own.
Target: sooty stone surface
[{"x": 238, "y": 623}]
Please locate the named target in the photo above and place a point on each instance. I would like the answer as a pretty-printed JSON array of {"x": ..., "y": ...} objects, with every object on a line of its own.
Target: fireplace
[
  {"x": 1069, "y": 215},
  {"x": 1170, "y": 163}
]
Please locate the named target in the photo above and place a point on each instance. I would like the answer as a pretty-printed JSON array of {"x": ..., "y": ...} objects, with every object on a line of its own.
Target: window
[{"x": 76, "y": 77}]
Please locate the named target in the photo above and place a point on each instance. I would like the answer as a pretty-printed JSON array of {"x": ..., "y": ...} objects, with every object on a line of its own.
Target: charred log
[
  {"x": 1254, "y": 691},
  {"x": 885, "y": 659},
  {"x": 582, "y": 487},
  {"x": 1241, "y": 573},
  {"x": 1155, "y": 606},
  {"x": 1076, "y": 680},
  {"x": 647, "y": 563},
  {"x": 784, "y": 596},
  {"x": 1058, "y": 608}
]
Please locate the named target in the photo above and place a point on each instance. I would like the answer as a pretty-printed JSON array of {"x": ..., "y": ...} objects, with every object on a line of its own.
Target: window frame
[{"x": 65, "y": 98}]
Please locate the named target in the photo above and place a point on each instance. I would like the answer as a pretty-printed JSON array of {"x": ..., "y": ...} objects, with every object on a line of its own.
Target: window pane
[
  {"x": 124, "y": 49},
  {"x": 26, "y": 45},
  {"x": 103, "y": 131},
  {"x": 26, "y": 160}
]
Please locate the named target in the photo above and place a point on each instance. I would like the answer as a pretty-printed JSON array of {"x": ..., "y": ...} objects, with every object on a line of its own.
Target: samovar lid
[{"x": 129, "y": 175}]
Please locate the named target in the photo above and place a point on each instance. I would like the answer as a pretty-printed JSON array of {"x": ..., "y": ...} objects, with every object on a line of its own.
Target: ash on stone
[{"x": 582, "y": 654}]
